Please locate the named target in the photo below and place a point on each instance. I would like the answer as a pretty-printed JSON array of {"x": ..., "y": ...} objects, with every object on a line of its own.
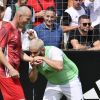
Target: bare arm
[
  {"x": 68, "y": 28},
  {"x": 27, "y": 58},
  {"x": 76, "y": 45},
  {"x": 32, "y": 34},
  {"x": 40, "y": 14},
  {"x": 3, "y": 60},
  {"x": 33, "y": 75},
  {"x": 57, "y": 65},
  {"x": 96, "y": 45}
]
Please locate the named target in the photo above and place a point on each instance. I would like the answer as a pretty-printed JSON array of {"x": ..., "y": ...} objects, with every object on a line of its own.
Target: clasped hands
[{"x": 37, "y": 60}]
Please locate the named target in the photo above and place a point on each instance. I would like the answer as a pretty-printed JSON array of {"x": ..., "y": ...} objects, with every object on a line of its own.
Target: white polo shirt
[{"x": 75, "y": 14}]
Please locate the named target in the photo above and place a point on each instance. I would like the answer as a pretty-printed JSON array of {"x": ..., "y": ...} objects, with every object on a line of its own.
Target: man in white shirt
[{"x": 74, "y": 12}]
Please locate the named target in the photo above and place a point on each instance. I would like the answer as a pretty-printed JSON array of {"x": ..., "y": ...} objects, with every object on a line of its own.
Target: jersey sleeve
[
  {"x": 3, "y": 37},
  {"x": 56, "y": 54}
]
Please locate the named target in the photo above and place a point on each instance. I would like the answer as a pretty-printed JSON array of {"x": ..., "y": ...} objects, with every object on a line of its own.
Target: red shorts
[{"x": 11, "y": 89}]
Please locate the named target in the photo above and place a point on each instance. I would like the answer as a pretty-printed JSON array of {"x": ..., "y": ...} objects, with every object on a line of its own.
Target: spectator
[
  {"x": 11, "y": 54},
  {"x": 27, "y": 37},
  {"x": 65, "y": 19},
  {"x": 58, "y": 69},
  {"x": 96, "y": 44},
  {"x": 40, "y": 7},
  {"x": 49, "y": 31},
  {"x": 82, "y": 37},
  {"x": 74, "y": 12},
  {"x": 70, "y": 3},
  {"x": 78, "y": 10}
]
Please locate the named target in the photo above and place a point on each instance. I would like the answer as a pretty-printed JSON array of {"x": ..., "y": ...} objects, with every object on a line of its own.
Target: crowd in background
[
  {"x": 66, "y": 24},
  {"x": 67, "y": 13}
]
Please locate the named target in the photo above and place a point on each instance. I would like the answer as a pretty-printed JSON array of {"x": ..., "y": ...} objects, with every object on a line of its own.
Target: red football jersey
[{"x": 10, "y": 42}]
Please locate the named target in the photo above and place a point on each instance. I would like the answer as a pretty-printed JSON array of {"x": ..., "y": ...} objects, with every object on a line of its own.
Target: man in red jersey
[{"x": 11, "y": 54}]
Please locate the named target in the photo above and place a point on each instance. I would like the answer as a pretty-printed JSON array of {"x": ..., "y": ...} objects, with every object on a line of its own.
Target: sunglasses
[{"x": 85, "y": 24}]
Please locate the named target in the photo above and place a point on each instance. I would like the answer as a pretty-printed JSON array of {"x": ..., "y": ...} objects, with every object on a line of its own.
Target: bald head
[
  {"x": 36, "y": 44},
  {"x": 24, "y": 10},
  {"x": 22, "y": 17}
]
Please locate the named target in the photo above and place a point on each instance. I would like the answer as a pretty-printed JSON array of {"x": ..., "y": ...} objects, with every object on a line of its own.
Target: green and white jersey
[{"x": 68, "y": 73}]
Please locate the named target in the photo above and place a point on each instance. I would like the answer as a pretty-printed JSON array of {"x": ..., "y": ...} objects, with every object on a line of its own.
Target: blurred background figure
[
  {"x": 84, "y": 37},
  {"x": 81, "y": 37},
  {"x": 40, "y": 6},
  {"x": 71, "y": 15}
]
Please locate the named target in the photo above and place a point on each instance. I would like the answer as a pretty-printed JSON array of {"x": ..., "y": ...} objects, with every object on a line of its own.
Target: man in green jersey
[{"x": 58, "y": 69}]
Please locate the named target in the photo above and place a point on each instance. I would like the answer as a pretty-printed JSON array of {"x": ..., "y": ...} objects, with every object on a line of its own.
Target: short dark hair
[
  {"x": 83, "y": 17},
  {"x": 51, "y": 8}
]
